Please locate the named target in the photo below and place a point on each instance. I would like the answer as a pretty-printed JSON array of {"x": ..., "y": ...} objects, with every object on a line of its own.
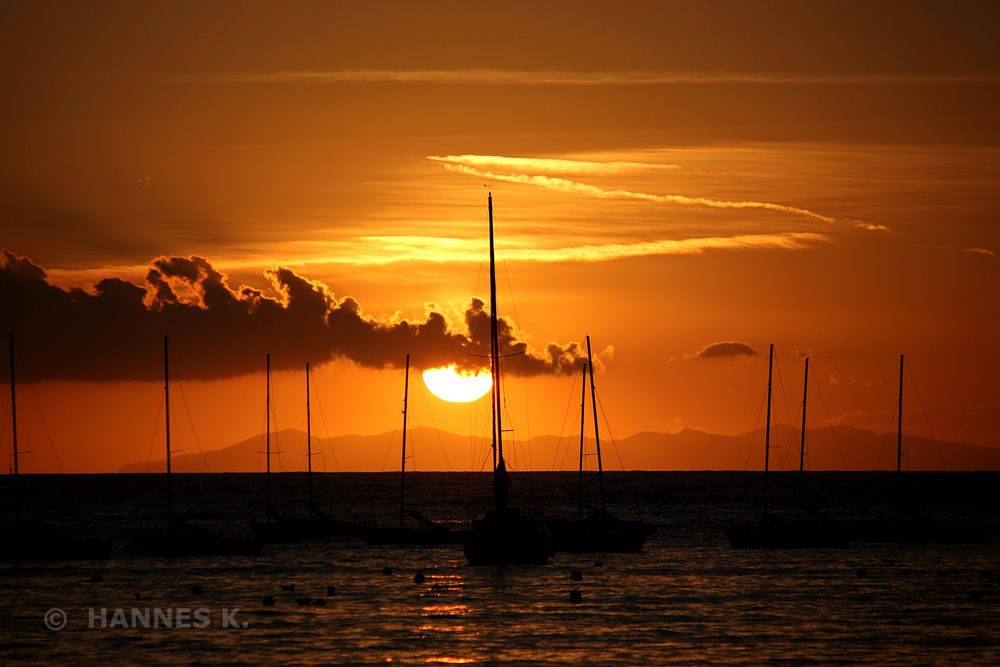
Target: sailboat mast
[
  {"x": 500, "y": 467},
  {"x": 402, "y": 467},
  {"x": 802, "y": 441},
  {"x": 13, "y": 405},
  {"x": 166, "y": 406},
  {"x": 767, "y": 428},
  {"x": 597, "y": 434},
  {"x": 309, "y": 451},
  {"x": 583, "y": 421},
  {"x": 899, "y": 446},
  {"x": 267, "y": 436}
]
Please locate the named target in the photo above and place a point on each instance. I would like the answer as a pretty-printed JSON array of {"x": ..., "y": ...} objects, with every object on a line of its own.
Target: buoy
[
  {"x": 267, "y": 601},
  {"x": 387, "y": 570},
  {"x": 139, "y": 597},
  {"x": 331, "y": 590},
  {"x": 319, "y": 601},
  {"x": 976, "y": 596},
  {"x": 196, "y": 589},
  {"x": 576, "y": 575},
  {"x": 95, "y": 578},
  {"x": 907, "y": 572},
  {"x": 861, "y": 572},
  {"x": 575, "y": 595},
  {"x": 419, "y": 577},
  {"x": 288, "y": 587},
  {"x": 598, "y": 563},
  {"x": 302, "y": 602}
]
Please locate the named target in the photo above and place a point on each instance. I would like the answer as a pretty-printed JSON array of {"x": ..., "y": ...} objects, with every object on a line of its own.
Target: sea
[{"x": 687, "y": 598}]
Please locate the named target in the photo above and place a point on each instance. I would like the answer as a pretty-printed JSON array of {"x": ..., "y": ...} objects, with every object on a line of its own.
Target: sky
[{"x": 308, "y": 180}]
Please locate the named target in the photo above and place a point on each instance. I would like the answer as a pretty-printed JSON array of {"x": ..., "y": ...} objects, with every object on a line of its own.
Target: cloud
[
  {"x": 543, "y": 165},
  {"x": 981, "y": 251},
  {"x": 566, "y": 185},
  {"x": 726, "y": 349},
  {"x": 506, "y": 77},
  {"x": 478, "y": 166},
  {"x": 114, "y": 332}
]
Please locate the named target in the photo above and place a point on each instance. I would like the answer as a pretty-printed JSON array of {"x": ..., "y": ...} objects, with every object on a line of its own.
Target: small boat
[
  {"x": 181, "y": 537},
  {"x": 775, "y": 532},
  {"x": 27, "y": 540},
  {"x": 599, "y": 531},
  {"x": 429, "y": 532},
  {"x": 316, "y": 524},
  {"x": 909, "y": 527},
  {"x": 504, "y": 535}
]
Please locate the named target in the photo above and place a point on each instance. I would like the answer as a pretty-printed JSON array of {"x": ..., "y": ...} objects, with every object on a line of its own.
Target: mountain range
[{"x": 831, "y": 448}]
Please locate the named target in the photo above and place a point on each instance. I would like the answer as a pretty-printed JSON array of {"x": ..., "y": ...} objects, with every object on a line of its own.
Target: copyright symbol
[{"x": 55, "y": 619}]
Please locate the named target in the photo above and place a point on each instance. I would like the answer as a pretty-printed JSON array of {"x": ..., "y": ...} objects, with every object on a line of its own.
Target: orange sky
[{"x": 666, "y": 176}]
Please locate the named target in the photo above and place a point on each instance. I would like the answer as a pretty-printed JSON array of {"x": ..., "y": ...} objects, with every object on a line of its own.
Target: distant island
[{"x": 836, "y": 448}]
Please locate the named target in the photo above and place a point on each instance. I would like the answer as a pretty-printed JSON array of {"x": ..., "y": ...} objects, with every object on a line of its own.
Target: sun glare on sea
[{"x": 450, "y": 384}]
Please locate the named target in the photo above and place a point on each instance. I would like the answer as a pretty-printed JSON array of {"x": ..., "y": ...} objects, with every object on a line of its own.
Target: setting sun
[{"x": 456, "y": 386}]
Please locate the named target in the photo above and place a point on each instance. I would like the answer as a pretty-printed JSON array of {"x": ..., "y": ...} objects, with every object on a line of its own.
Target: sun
[{"x": 450, "y": 384}]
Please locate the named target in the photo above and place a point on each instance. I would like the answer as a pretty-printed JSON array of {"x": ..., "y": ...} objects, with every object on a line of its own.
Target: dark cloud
[
  {"x": 114, "y": 332},
  {"x": 725, "y": 349}
]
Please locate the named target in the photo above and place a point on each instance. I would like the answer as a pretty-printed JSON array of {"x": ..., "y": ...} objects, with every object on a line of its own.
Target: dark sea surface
[{"x": 688, "y": 598}]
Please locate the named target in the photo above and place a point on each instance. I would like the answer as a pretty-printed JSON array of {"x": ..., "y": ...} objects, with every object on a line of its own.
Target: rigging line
[
  {"x": 326, "y": 429},
  {"x": 38, "y": 407},
  {"x": 607, "y": 425},
  {"x": 885, "y": 436},
  {"x": 437, "y": 431},
  {"x": 791, "y": 424},
  {"x": 937, "y": 445},
  {"x": 562, "y": 428},
  {"x": 274, "y": 434},
  {"x": 187, "y": 410},
  {"x": 527, "y": 406},
  {"x": 392, "y": 441},
  {"x": 3, "y": 431},
  {"x": 152, "y": 439},
  {"x": 829, "y": 420},
  {"x": 753, "y": 433}
]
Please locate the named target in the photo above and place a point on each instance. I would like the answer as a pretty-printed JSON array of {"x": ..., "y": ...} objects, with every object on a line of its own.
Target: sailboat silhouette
[{"x": 503, "y": 536}]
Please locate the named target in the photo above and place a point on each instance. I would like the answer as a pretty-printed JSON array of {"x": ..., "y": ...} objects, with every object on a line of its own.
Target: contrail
[{"x": 566, "y": 185}]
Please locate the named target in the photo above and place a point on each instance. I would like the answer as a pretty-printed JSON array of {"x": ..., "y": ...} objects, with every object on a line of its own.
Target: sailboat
[
  {"x": 277, "y": 528},
  {"x": 183, "y": 538},
  {"x": 26, "y": 540},
  {"x": 429, "y": 532},
  {"x": 504, "y": 535},
  {"x": 599, "y": 531},
  {"x": 908, "y": 527},
  {"x": 776, "y": 532}
]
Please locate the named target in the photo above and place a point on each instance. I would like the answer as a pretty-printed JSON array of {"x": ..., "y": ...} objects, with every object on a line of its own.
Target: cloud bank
[
  {"x": 726, "y": 349},
  {"x": 114, "y": 332}
]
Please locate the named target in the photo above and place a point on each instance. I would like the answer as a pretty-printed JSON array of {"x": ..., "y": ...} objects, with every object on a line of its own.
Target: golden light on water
[{"x": 450, "y": 384}]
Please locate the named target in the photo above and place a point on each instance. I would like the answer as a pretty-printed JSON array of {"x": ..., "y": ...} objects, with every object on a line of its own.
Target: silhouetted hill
[{"x": 837, "y": 448}]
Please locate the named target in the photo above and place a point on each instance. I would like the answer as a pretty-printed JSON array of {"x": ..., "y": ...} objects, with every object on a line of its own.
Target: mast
[
  {"x": 597, "y": 435},
  {"x": 309, "y": 455},
  {"x": 500, "y": 480},
  {"x": 13, "y": 404},
  {"x": 767, "y": 431},
  {"x": 166, "y": 402},
  {"x": 583, "y": 421},
  {"x": 267, "y": 437},
  {"x": 899, "y": 447},
  {"x": 402, "y": 468},
  {"x": 802, "y": 442}
]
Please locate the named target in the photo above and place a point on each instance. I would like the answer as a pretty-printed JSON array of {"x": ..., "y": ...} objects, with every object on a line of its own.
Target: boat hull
[
  {"x": 413, "y": 536},
  {"x": 506, "y": 537},
  {"x": 301, "y": 530},
  {"x": 592, "y": 535},
  {"x": 770, "y": 534}
]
